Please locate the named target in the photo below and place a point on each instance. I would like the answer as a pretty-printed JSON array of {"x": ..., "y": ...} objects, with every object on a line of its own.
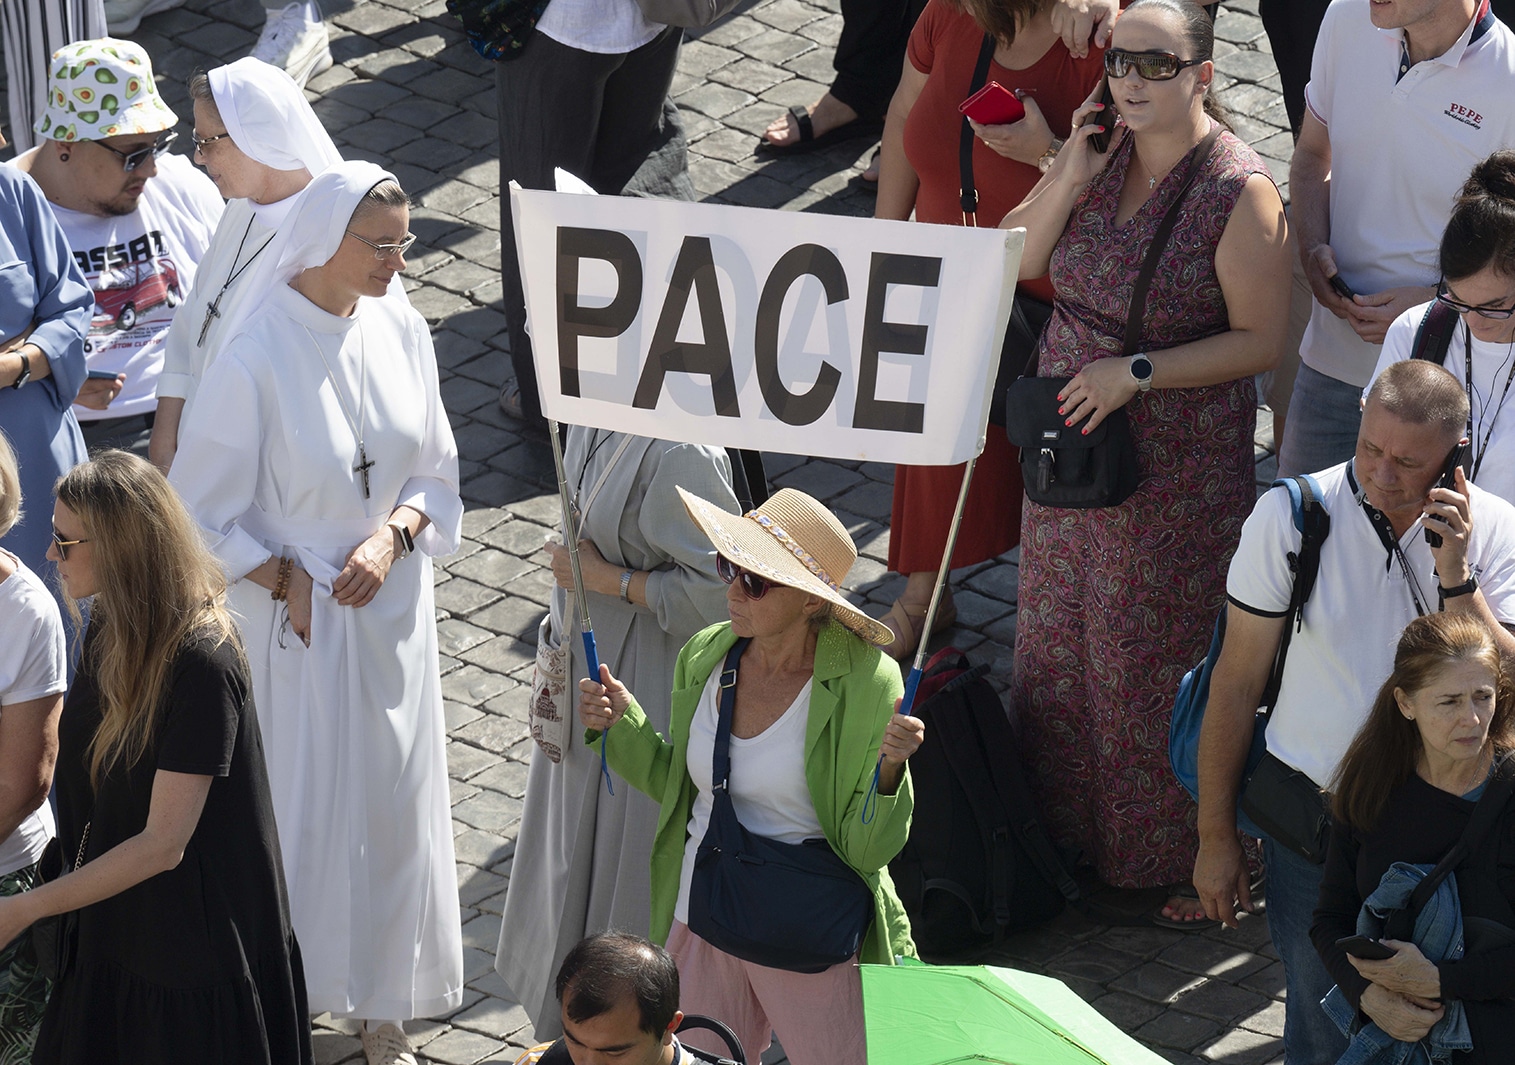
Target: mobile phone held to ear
[
  {"x": 1365, "y": 948},
  {"x": 1340, "y": 287},
  {"x": 1100, "y": 142},
  {"x": 1448, "y": 479},
  {"x": 993, "y": 105}
]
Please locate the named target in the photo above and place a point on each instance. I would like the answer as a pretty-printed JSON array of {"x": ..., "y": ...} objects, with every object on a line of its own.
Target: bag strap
[
  {"x": 720, "y": 768},
  {"x": 1160, "y": 241},
  {"x": 1314, "y": 525},
  {"x": 965, "y": 137},
  {"x": 1433, "y": 336},
  {"x": 600, "y": 483}
]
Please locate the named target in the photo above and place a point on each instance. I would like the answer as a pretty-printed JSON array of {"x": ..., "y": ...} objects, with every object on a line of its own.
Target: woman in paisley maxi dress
[{"x": 1117, "y": 603}]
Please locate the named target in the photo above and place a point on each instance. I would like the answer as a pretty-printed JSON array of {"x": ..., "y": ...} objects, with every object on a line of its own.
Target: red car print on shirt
[{"x": 123, "y": 294}]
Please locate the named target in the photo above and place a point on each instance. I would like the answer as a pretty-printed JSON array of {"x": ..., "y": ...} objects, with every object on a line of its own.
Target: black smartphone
[
  {"x": 1448, "y": 479},
  {"x": 1363, "y": 947},
  {"x": 1100, "y": 142},
  {"x": 1340, "y": 287}
]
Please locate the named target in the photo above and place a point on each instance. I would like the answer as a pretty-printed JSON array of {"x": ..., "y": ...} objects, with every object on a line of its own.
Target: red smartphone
[{"x": 993, "y": 105}]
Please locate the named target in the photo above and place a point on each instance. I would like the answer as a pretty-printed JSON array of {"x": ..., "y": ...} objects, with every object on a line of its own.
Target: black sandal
[{"x": 809, "y": 142}]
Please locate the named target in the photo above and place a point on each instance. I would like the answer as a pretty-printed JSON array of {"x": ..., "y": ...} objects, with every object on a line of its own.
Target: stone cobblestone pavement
[{"x": 409, "y": 93}]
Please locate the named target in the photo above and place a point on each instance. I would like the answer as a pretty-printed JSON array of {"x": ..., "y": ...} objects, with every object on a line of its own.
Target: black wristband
[{"x": 1467, "y": 587}]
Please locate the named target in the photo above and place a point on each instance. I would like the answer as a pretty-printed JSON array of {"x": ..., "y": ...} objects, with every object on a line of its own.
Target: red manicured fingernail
[
  {"x": 1084, "y": 431},
  {"x": 1067, "y": 423},
  {"x": 1101, "y": 129}
]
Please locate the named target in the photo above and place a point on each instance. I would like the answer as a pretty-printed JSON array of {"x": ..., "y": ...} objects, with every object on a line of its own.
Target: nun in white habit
[
  {"x": 320, "y": 464},
  {"x": 260, "y": 142}
]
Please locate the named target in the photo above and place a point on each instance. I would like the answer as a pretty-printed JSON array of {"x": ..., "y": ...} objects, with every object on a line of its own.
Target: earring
[{"x": 63, "y": 158}]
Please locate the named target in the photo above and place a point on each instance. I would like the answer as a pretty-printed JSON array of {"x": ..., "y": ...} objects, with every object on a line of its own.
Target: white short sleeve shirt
[
  {"x": 32, "y": 666},
  {"x": 1401, "y": 147},
  {"x": 1354, "y": 618}
]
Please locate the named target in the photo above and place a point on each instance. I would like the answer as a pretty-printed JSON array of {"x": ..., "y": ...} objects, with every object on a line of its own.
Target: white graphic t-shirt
[{"x": 141, "y": 266}]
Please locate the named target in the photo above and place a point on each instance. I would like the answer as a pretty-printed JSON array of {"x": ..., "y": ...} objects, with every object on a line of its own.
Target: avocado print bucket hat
[{"x": 102, "y": 88}]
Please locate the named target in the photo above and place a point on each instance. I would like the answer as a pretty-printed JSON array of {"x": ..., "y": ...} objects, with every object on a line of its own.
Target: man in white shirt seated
[
  {"x": 138, "y": 221},
  {"x": 619, "y": 995}
]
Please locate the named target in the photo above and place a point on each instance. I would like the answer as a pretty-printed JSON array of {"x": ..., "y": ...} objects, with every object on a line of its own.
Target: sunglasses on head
[
  {"x": 131, "y": 160},
  {"x": 753, "y": 586},
  {"x": 63, "y": 545},
  {"x": 1149, "y": 66},
  {"x": 1496, "y": 313}
]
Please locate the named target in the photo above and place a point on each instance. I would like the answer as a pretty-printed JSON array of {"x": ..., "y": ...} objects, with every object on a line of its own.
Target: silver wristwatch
[{"x": 1141, "y": 372}]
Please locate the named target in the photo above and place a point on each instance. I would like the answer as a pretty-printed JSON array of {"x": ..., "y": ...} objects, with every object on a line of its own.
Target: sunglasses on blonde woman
[
  {"x": 753, "y": 586},
  {"x": 63, "y": 545}
]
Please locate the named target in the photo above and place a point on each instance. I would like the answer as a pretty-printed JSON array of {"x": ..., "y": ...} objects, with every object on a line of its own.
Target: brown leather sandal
[{"x": 906, "y": 623}]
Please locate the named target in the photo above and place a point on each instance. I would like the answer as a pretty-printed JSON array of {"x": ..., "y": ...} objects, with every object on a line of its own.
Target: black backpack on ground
[{"x": 978, "y": 863}]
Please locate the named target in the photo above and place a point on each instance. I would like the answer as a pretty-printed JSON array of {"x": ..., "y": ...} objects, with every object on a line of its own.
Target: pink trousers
[{"x": 818, "y": 1016}]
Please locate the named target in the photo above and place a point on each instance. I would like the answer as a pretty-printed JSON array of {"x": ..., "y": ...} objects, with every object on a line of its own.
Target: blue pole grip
[
  {"x": 592, "y": 657},
  {"x": 912, "y": 682}
]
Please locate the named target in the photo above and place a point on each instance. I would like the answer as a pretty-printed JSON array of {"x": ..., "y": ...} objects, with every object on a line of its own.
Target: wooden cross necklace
[
  {"x": 364, "y": 463},
  {"x": 213, "y": 308}
]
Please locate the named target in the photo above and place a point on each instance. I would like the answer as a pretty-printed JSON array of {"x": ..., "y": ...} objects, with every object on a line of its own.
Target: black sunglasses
[
  {"x": 1496, "y": 313},
  {"x": 1149, "y": 66},
  {"x": 131, "y": 160},
  {"x": 63, "y": 545},
  {"x": 753, "y": 586}
]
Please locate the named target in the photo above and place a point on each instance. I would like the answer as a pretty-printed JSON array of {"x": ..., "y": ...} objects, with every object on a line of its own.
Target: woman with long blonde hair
[{"x": 176, "y": 942}]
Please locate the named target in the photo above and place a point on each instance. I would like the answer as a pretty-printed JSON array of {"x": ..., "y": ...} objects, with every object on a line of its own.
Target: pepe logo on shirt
[{"x": 1466, "y": 115}]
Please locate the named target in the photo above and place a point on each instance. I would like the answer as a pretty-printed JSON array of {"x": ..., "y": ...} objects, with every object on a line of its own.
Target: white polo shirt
[
  {"x": 1400, "y": 150},
  {"x": 1492, "y": 400},
  {"x": 1354, "y": 618}
]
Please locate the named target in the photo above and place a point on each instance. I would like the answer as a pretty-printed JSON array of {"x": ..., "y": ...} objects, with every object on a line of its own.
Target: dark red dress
[
  {"x": 945, "y": 47},
  {"x": 1117, "y": 604}
]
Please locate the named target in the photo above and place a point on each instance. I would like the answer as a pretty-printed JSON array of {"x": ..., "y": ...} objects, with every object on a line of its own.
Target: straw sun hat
[{"x": 791, "y": 540}]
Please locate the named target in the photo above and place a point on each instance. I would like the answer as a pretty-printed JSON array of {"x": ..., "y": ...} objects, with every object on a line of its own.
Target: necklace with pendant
[
  {"x": 364, "y": 463},
  {"x": 213, "y": 308}
]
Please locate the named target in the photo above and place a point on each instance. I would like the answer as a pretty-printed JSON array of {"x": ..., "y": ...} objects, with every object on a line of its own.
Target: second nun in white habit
[
  {"x": 320, "y": 464},
  {"x": 260, "y": 142}
]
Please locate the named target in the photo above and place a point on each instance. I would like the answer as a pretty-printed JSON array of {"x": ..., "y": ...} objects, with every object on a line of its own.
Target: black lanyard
[
  {"x": 1482, "y": 446},
  {"x": 1385, "y": 530}
]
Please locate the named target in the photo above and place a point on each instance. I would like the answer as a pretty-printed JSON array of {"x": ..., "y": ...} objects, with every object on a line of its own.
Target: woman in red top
[{"x": 920, "y": 172}]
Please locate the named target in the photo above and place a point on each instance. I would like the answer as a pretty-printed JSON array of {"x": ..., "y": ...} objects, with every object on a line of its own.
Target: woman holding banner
[
  {"x": 922, "y": 173},
  {"x": 1116, "y": 603},
  {"x": 581, "y": 854},
  {"x": 795, "y": 687}
]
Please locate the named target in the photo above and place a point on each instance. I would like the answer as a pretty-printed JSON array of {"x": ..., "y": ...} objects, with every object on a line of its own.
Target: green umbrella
[{"x": 936, "y": 1014}]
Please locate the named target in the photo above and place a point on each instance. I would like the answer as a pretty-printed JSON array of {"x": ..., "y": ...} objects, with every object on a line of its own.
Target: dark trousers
[
  {"x": 604, "y": 118},
  {"x": 870, "y": 51},
  {"x": 1292, "y": 26}
]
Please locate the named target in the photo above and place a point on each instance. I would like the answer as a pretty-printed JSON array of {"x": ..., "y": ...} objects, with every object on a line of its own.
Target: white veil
[{"x": 268, "y": 117}]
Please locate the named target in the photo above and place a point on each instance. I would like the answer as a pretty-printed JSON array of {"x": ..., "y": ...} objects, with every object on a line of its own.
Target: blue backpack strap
[{"x": 1314, "y": 525}]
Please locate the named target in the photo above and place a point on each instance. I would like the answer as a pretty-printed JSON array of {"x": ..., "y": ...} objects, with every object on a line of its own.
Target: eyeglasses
[
  {"x": 63, "y": 545},
  {"x": 201, "y": 142},
  {"x": 384, "y": 251},
  {"x": 1149, "y": 66},
  {"x": 1496, "y": 313},
  {"x": 753, "y": 586},
  {"x": 131, "y": 160}
]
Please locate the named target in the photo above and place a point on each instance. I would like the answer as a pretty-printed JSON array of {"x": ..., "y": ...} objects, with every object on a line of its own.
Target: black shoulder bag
[
  {"x": 1060, "y": 465},
  {"x": 794, "y": 906},
  {"x": 1028, "y": 316}
]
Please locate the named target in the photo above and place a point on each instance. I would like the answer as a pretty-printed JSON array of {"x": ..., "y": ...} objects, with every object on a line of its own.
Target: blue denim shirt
[{"x": 1438, "y": 934}]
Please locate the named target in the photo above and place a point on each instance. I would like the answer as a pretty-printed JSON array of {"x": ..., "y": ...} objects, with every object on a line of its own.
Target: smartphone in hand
[
  {"x": 993, "y": 105},
  {"x": 1448, "y": 479},
  {"x": 1365, "y": 948},
  {"x": 101, "y": 375},
  {"x": 1100, "y": 142},
  {"x": 1340, "y": 287}
]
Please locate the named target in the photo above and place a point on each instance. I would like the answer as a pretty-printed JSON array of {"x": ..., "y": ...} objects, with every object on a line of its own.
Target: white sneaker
[
  {"x": 294, "y": 39},
  {"x": 123, "y": 16},
  {"x": 387, "y": 1046}
]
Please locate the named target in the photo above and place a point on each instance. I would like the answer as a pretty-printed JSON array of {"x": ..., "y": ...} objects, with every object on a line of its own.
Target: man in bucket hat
[{"x": 137, "y": 219}]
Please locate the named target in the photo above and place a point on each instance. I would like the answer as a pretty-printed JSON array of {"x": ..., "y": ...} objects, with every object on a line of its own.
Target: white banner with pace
[{"x": 810, "y": 334}]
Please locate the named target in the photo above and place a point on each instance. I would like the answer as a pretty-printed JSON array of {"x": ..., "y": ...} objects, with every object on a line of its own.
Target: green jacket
[{"x": 851, "y": 701}]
